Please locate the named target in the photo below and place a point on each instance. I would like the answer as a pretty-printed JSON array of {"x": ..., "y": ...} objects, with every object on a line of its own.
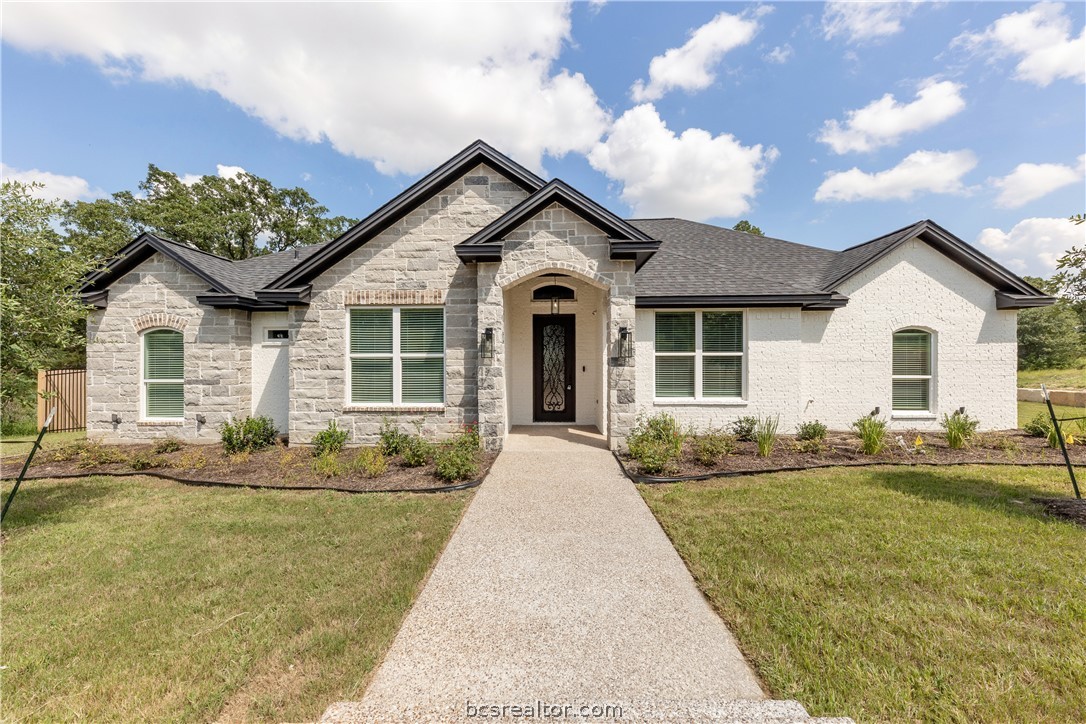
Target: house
[{"x": 484, "y": 293}]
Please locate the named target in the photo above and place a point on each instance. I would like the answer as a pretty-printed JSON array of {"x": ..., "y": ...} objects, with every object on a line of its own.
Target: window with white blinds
[
  {"x": 699, "y": 355},
  {"x": 163, "y": 374},
  {"x": 912, "y": 371},
  {"x": 397, "y": 355}
]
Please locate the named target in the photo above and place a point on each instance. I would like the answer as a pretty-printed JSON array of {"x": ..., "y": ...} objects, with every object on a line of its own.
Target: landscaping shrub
[
  {"x": 813, "y": 430},
  {"x": 872, "y": 432},
  {"x": 456, "y": 462},
  {"x": 252, "y": 433},
  {"x": 329, "y": 440},
  {"x": 765, "y": 434},
  {"x": 712, "y": 446},
  {"x": 743, "y": 428},
  {"x": 167, "y": 445},
  {"x": 191, "y": 460},
  {"x": 393, "y": 440},
  {"x": 960, "y": 429},
  {"x": 143, "y": 461},
  {"x": 327, "y": 465},
  {"x": 93, "y": 454},
  {"x": 468, "y": 437},
  {"x": 1039, "y": 426},
  {"x": 370, "y": 461},
  {"x": 417, "y": 452},
  {"x": 812, "y": 445},
  {"x": 655, "y": 442}
]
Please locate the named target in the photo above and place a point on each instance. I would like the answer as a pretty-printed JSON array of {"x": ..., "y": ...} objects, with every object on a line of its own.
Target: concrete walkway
[{"x": 559, "y": 586}]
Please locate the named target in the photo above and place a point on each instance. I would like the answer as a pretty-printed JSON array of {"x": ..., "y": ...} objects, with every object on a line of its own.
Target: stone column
[
  {"x": 622, "y": 374},
  {"x": 491, "y": 372}
]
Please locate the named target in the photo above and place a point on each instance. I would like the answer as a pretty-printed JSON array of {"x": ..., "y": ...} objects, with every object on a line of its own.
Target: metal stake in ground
[
  {"x": 1059, "y": 436},
  {"x": 26, "y": 465}
]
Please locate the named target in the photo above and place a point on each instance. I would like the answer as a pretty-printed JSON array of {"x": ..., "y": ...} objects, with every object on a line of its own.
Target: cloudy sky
[{"x": 826, "y": 124}]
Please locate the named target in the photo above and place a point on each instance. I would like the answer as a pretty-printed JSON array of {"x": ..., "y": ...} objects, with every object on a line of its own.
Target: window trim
[
  {"x": 144, "y": 381},
  {"x": 930, "y": 377},
  {"x": 698, "y": 354},
  {"x": 397, "y": 358}
]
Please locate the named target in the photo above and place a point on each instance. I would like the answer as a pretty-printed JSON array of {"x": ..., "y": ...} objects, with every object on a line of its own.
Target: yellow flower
[
  {"x": 1070, "y": 440},
  {"x": 919, "y": 441}
]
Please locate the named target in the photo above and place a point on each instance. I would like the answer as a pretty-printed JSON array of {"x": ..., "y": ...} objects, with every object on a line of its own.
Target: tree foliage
[
  {"x": 747, "y": 227},
  {"x": 1049, "y": 337}
]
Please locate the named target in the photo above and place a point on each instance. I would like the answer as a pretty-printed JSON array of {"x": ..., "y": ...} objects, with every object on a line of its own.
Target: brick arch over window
[{"x": 159, "y": 320}]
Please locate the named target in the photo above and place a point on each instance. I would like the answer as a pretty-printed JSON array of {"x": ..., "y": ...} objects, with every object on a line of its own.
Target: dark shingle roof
[
  {"x": 697, "y": 259},
  {"x": 855, "y": 257}
]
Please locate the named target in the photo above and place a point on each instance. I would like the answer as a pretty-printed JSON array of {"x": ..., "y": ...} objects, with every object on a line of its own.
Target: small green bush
[
  {"x": 813, "y": 430},
  {"x": 468, "y": 437},
  {"x": 960, "y": 429},
  {"x": 252, "y": 433},
  {"x": 712, "y": 446},
  {"x": 417, "y": 452},
  {"x": 812, "y": 446},
  {"x": 744, "y": 427},
  {"x": 1039, "y": 426},
  {"x": 456, "y": 462},
  {"x": 94, "y": 454},
  {"x": 330, "y": 440},
  {"x": 143, "y": 461},
  {"x": 327, "y": 465},
  {"x": 872, "y": 432},
  {"x": 765, "y": 434},
  {"x": 167, "y": 445},
  {"x": 370, "y": 462},
  {"x": 655, "y": 442},
  {"x": 393, "y": 440}
]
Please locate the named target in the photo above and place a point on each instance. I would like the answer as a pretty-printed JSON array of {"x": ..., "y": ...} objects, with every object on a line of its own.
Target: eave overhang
[
  {"x": 1008, "y": 300},
  {"x": 804, "y": 301},
  {"x": 236, "y": 301},
  {"x": 293, "y": 296},
  {"x": 96, "y": 299}
]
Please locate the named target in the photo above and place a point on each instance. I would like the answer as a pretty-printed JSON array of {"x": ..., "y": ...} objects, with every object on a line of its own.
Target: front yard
[
  {"x": 142, "y": 600},
  {"x": 895, "y": 593}
]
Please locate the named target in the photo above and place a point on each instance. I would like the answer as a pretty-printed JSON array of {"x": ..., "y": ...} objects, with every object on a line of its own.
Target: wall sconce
[
  {"x": 625, "y": 344},
  {"x": 115, "y": 419},
  {"x": 556, "y": 305},
  {"x": 875, "y": 412},
  {"x": 487, "y": 344},
  {"x": 201, "y": 420},
  {"x": 961, "y": 410}
]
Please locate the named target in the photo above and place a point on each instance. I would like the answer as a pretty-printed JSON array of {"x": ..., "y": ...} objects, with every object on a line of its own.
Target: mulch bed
[
  {"x": 1070, "y": 509},
  {"x": 275, "y": 467},
  {"x": 1012, "y": 447}
]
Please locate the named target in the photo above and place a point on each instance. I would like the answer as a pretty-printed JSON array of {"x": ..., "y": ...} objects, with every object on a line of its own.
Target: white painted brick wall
[{"x": 835, "y": 365}]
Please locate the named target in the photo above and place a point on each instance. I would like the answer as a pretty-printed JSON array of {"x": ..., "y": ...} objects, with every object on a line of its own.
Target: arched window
[
  {"x": 552, "y": 291},
  {"x": 912, "y": 370},
  {"x": 163, "y": 374}
]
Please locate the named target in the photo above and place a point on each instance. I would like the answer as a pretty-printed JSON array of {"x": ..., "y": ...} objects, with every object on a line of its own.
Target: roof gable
[
  {"x": 414, "y": 196},
  {"x": 215, "y": 270}
]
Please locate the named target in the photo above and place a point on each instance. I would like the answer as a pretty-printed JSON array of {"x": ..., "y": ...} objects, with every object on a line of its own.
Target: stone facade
[{"x": 162, "y": 294}]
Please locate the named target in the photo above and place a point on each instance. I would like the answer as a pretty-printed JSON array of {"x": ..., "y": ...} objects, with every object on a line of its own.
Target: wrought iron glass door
[{"x": 554, "y": 379}]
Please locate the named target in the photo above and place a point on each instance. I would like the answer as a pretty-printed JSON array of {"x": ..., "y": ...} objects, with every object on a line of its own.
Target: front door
[{"x": 554, "y": 390}]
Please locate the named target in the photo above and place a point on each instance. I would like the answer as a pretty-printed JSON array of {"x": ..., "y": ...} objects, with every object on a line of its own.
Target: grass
[
  {"x": 1028, "y": 410},
  {"x": 140, "y": 600},
  {"x": 895, "y": 594},
  {"x": 21, "y": 444},
  {"x": 1072, "y": 378}
]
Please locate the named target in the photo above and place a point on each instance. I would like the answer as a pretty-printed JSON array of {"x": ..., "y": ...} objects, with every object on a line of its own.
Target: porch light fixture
[
  {"x": 487, "y": 344},
  {"x": 625, "y": 344},
  {"x": 555, "y": 300}
]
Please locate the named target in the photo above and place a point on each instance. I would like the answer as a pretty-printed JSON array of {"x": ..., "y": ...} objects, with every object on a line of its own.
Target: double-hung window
[
  {"x": 912, "y": 371},
  {"x": 397, "y": 356},
  {"x": 163, "y": 374},
  {"x": 699, "y": 355}
]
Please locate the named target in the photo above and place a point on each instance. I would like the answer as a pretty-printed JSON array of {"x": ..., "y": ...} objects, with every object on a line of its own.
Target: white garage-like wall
[{"x": 271, "y": 367}]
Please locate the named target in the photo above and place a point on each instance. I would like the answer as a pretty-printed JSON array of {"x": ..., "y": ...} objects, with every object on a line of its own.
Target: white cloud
[
  {"x": 1030, "y": 181},
  {"x": 1033, "y": 245},
  {"x": 1041, "y": 38},
  {"x": 694, "y": 175},
  {"x": 56, "y": 186},
  {"x": 690, "y": 67},
  {"x": 403, "y": 85},
  {"x": 780, "y": 54},
  {"x": 883, "y": 122},
  {"x": 220, "y": 170},
  {"x": 864, "y": 21},
  {"x": 934, "y": 172}
]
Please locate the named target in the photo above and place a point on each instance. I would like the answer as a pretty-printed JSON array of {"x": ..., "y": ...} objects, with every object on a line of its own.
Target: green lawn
[
  {"x": 1073, "y": 378},
  {"x": 1028, "y": 410},
  {"x": 140, "y": 600},
  {"x": 892, "y": 594},
  {"x": 21, "y": 444}
]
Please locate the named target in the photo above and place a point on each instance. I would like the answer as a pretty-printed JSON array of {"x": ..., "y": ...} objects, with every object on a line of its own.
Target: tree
[
  {"x": 748, "y": 228},
  {"x": 1048, "y": 337},
  {"x": 42, "y": 321},
  {"x": 236, "y": 217}
]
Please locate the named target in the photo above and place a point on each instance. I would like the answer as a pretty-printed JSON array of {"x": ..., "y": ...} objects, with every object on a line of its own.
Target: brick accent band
[
  {"x": 394, "y": 296},
  {"x": 159, "y": 319}
]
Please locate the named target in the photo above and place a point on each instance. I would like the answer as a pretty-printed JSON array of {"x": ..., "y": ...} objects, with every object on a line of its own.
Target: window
[
  {"x": 397, "y": 356},
  {"x": 278, "y": 335},
  {"x": 912, "y": 370},
  {"x": 163, "y": 374},
  {"x": 699, "y": 354}
]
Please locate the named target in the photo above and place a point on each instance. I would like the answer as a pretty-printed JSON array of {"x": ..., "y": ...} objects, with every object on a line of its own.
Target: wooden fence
[{"x": 67, "y": 390}]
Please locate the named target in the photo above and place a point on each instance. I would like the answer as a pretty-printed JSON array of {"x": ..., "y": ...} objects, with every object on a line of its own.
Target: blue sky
[{"x": 826, "y": 124}]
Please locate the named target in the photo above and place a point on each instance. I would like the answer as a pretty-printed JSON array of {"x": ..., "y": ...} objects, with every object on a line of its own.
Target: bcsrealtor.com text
[{"x": 542, "y": 710}]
